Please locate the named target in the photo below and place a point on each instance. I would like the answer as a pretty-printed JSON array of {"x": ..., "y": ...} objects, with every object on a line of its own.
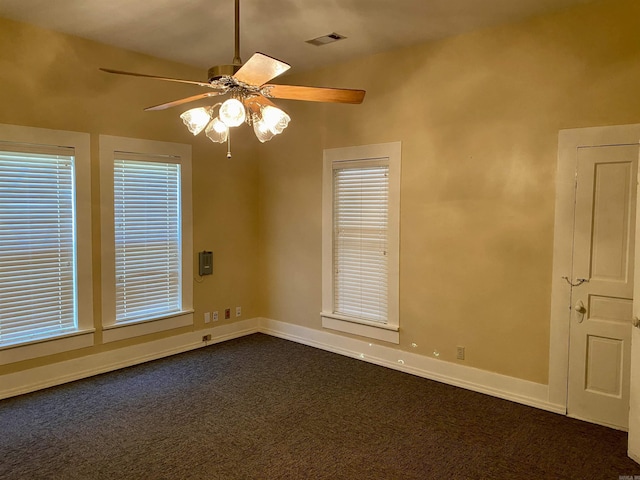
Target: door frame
[{"x": 568, "y": 143}]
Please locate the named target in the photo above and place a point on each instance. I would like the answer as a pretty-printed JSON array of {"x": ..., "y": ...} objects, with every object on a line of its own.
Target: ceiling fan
[{"x": 250, "y": 95}]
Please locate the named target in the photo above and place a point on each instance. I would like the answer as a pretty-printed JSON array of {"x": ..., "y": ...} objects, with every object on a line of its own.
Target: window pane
[
  {"x": 37, "y": 246},
  {"x": 147, "y": 239},
  {"x": 360, "y": 225}
]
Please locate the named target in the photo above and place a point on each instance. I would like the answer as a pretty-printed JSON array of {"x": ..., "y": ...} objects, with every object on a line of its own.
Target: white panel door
[
  {"x": 602, "y": 298},
  {"x": 634, "y": 397}
]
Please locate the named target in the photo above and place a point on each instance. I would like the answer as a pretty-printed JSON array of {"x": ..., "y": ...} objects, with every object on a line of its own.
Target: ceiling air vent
[{"x": 325, "y": 39}]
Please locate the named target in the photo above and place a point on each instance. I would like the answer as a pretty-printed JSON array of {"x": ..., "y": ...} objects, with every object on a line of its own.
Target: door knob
[
  {"x": 636, "y": 322},
  {"x": 581, "y": 309}
]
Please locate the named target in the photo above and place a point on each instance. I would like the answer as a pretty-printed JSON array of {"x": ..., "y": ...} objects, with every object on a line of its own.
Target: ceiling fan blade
[
  {"x": 175, "y": 103},
  {"x": 314, "y": 94},
  {"x": 260, "y": 68},
  {"x": 133, "y": 74},
  {"x": 262, "y": 100}
]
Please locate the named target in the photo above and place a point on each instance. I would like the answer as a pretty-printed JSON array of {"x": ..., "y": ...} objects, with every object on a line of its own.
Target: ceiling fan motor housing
[{"x": 219, "y": 71}]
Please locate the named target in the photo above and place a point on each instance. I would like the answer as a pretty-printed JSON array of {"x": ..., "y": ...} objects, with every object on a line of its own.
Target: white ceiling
[{"x": 200, "y": 32}]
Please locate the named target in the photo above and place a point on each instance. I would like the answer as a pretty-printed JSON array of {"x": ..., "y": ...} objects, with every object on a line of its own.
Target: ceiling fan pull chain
[{"x": 229, "y": 145}]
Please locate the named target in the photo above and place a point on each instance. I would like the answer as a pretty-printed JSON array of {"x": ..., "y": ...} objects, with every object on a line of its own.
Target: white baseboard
[
  {"x": 599, "y": 422},
  {"x": 497, "y": 385},
  {"x": 67, "y": 371},
  {"x": 501, "y": 386}
]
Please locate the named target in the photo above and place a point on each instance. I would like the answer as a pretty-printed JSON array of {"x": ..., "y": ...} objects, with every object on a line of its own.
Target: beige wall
[
  {"x": 478, "y": 116},
  {"x": 51, "y": 80}
]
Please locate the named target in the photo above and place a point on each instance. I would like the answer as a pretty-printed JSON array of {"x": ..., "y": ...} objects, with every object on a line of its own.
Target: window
[
  {"x": 37, "y": 248},
  {"x": 360, "y": 228},
  {"x": 147, "y": 266},
  {"x": 45, "y": 252},
  {"x": 360, "y": 240},
  {"x": 147, "y": 238}
]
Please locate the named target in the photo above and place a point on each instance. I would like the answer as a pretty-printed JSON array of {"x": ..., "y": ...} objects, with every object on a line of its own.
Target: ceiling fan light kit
[
  {"x": 197, "y": 118},
  {"x": 232, "y": 113},
  {"x": 250, "y": 96},
  {"x": 217, "y": 131},
  {"x": 263, "y": 133}
]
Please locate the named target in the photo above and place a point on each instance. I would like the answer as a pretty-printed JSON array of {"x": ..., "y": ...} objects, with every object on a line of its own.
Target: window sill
[
  {"x": 45, "y": 347},
  {"x": 363, "y": 328},
  {"x": 113, "y": 333}
]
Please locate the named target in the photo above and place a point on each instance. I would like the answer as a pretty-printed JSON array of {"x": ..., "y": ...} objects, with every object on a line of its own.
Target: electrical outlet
[
  {"x": 206, "y": 338},
  {"x": 460, "y": 353},
  {"x": 227, "y": 313},
  {"x": 207, "y": 317},
  {"x": 238, "y": 311},
  {"x": 215, "y": 316}
]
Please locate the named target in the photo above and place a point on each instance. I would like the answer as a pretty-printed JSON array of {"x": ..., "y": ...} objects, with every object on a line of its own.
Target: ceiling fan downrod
[
  {"x": 236, "y": 58},
  {"x": 218, "y": 71}
]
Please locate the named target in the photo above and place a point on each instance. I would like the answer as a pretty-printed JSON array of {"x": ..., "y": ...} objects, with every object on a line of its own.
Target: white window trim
[
  {"x": 391, "y": 153},
  {"x": 108, "y": 146},
  {"x": 84, "y": 336}
]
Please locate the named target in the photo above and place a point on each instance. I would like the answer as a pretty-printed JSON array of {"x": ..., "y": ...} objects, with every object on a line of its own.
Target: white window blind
[
  {"x": 360, "y": 229},
  {"x": 147, "y": 219},
  {"x": 37, "y": 244}
]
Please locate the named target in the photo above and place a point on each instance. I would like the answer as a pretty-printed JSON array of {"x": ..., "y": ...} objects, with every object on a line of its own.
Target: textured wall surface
[{"x": 478, "y": 117}]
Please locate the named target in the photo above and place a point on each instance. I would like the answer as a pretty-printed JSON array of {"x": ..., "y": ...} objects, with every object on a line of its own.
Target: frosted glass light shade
[
  {"x": 196, "y": 119},
  {"x": 275, "y": 119},
  {"x": 217, "y": 131},
  {"x": 262, "y": 131},
  {"x": 232, "y": 112}
]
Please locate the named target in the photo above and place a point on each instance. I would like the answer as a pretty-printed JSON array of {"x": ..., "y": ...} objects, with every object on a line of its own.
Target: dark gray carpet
[{"x": 265, "y": 408}]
